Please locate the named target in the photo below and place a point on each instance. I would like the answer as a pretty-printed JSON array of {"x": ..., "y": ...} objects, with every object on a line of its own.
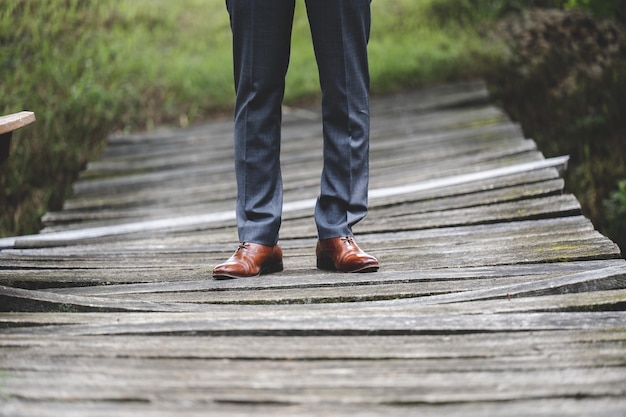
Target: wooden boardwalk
[{"x": 495, "y": 295}]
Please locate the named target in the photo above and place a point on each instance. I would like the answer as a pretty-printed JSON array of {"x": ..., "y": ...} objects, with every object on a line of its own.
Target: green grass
[{"x": 89, "y": 68}]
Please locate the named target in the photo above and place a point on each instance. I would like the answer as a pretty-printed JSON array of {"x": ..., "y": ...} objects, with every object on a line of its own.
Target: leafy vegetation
[
  {"x": 565, "y": 81},
  {"x": 88, "y": 68},
  {"x": 600, "y": 8}
]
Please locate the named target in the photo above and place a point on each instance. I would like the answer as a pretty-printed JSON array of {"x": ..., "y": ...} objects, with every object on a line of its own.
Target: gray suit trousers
[{"x": 261, "y": 47}]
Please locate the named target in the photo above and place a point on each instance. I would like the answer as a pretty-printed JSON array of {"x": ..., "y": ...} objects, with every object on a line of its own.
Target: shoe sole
[
  {"x": 328, "y": 265},
  {"x": 266, "y": 269}
]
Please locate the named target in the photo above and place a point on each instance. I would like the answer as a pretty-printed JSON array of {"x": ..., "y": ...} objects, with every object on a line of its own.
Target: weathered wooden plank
[
  {"x": 410, "y": 122},
  {"x": 318, "y": 373},
  {"x": 425, "y": 100},
  {"x": 360, "y": 382},
  {"x": 482, "y": 346},
  {"x": 571, "y": 302},
  {"x": 354, "y": 379},
  {"x": 337, "y": 294},
  {"x": 11, "y": 122},
  {"x": 606, "y": 407},
  {"x": 440, "y": 145},
  {"x": 479, "y": 198},
  {"x": 575, "y": 302},
  {"x": 318, "y": 279},
  {"x": 316, "y": 324},
  {"x": 604, "y": 279}
]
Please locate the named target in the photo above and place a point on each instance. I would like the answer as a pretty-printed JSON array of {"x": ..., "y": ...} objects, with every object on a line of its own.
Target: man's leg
[
  {"x": 261, "y": 47},
  {"x": 340, "y": 31}
]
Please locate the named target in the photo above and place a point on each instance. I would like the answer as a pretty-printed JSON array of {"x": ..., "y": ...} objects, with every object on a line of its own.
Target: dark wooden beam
[{"x": 5, "y": 146}]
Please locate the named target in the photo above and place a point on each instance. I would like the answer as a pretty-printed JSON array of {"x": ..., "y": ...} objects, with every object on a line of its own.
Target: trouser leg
[
  {"x": 340, "y": 31},
  {"x": 261, "y": 46}
]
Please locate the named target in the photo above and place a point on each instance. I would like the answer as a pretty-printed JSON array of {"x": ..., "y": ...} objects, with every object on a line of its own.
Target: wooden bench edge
[{"x": 14, "y": 121}]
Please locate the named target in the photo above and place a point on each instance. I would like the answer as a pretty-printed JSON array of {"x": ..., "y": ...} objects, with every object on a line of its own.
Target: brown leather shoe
[
  {"x": 251, "y": 260},
  {"x": 343, "y": 254}
]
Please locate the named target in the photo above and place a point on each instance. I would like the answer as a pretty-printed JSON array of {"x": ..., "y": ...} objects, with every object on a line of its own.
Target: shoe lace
[
  {"x": 242, "y": 245},
  {"x": 349, "y": 240}
]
